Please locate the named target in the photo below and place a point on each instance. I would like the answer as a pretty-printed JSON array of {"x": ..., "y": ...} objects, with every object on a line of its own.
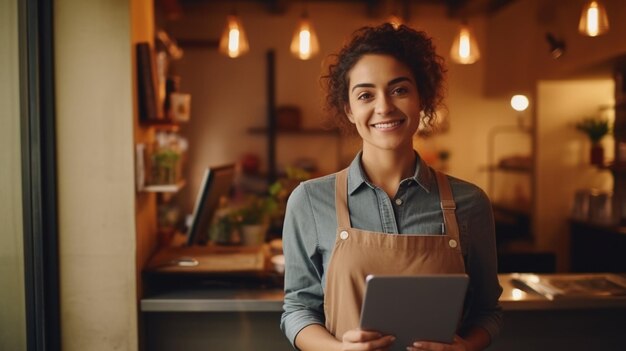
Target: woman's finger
[
  {"x": 376, "y": 344},
  {"x": 381, "y": 343},
  {"x": 356, "y": 340},
  {"x": 430, "y": 346}
]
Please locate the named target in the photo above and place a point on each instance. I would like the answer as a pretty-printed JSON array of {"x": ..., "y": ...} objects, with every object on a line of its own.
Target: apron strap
[
  {"x": 341, "y": 198},
  {"x": 448, "y": 206}
]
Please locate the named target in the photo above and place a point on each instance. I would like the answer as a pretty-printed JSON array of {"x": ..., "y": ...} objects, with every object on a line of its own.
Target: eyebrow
[{"x": 391, "y": 82}]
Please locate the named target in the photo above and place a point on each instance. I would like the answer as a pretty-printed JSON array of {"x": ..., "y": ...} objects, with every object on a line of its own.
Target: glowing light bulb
[
  {"x": 593, "y": 19},
  {"x": 465, "y": 48},
  {"x": 304, "y": 44},
  {"x": 519, "y": 102},
  {"x": 233, "y": 42}
]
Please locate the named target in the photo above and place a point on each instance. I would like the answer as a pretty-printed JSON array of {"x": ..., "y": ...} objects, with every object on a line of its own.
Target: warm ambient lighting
[
  {"x": 593, "y": 20},
  {"x": 465, "y": 48},
  {"x": 233, "y": 42},
  {"x": 519, "y": 103},
  {"x": 517, "y": 294},
  {"x": 304, "y": 44},
  {"x": 395, "y": 21}
]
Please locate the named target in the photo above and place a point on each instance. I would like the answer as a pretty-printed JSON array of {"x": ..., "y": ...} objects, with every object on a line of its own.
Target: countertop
[{"x": 270, "y": 299}]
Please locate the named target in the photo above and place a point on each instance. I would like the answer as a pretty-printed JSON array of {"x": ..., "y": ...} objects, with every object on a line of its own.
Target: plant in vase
[
  {"x": 253, "y": 218},
  {"x": 280, "y": 191},
  {"x": 224, "y": 230},
  {"x": 165, "y": 164},
  {"x": 595, "y": 129}
]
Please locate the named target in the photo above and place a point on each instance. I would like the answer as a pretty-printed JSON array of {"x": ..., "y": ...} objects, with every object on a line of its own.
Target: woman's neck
[{"x": 387, "y": 168}]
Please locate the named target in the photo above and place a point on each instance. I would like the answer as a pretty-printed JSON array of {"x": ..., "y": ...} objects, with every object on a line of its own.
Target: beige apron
[{"x": 358, "y": 253}]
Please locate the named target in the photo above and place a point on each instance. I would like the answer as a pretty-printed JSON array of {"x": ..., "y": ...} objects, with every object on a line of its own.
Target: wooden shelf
[
  {"x": 302, "y": 131},
  {"x": 167, "y": 124},
  {"x": 164, "y": 188}
]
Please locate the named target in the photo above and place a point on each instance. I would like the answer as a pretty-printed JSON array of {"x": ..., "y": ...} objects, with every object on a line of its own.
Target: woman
[{"x": 341, "y": 227}]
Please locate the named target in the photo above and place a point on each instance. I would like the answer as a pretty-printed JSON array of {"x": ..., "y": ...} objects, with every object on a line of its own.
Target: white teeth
[{"x": 386, "y": 125}]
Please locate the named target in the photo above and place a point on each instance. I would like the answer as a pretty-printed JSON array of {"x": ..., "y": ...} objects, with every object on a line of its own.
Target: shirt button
[
  {"x": 343, "y": 235},
  {"x": 452, "y": 243},
  {"x": 398, "y": 202}
]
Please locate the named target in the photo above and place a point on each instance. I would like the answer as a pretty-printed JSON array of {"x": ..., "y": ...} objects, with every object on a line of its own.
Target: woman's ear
[{"x": 348, "y": 112}]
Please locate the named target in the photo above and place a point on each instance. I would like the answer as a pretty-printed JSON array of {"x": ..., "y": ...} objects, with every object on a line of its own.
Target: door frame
[{"x": 39, "y": 185}]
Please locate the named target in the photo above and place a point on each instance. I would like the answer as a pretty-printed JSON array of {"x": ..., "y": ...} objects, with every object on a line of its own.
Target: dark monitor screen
[{"x": 216, "y": 183}]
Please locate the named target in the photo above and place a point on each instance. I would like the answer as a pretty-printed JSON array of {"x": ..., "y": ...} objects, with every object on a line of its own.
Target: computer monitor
[{"x": 216, "y": 182}]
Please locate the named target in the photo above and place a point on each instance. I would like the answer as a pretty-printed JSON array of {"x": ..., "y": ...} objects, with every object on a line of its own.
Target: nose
[{"x": 384, "y": 105}]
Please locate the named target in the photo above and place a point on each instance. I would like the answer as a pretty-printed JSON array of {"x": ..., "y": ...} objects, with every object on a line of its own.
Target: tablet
[{"x": 413, "y": 308}]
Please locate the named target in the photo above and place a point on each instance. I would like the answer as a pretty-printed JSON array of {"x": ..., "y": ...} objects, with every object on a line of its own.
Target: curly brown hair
[{"x": 413, "y": 48}]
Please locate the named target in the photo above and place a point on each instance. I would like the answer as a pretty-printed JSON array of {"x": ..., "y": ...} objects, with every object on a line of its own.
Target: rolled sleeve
[
  {"x": 304, "y": 295},
  {"x": 485, "y": 309}
]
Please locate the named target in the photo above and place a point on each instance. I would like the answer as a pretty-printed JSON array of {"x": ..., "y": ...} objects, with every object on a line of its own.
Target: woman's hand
[
  {"x": 458, "y": 344},
  {"x": 357, "y": 339}
]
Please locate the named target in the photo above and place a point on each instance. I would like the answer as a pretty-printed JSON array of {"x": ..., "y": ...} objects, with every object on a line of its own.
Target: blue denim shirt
[{"x": 310, "y": 229}]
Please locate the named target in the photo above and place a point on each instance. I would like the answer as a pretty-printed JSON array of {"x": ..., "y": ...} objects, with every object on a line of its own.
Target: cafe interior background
[{"x": 108, "y": 226}]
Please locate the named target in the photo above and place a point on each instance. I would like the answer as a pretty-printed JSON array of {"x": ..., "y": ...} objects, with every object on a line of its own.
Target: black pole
[
  {"x": 271, "y": 116},
  {"x": 41, "y": 268}
]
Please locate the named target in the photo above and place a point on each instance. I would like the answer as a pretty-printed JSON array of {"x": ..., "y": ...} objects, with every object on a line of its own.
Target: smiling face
[{"x": 384, "y": 103}]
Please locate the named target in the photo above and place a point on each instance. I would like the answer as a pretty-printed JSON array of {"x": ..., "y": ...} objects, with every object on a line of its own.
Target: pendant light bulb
[
  {"x": 593, "y": 20},
  {"x": 465, "y": 48},
  {"x": 395, "y": 21},
  {"x": 304, "y": 44},
  {"x": 233, "y": 42}
]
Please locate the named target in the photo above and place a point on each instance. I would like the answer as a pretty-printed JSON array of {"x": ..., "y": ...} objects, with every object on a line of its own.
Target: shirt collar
[{"x": 423, "y": 175}]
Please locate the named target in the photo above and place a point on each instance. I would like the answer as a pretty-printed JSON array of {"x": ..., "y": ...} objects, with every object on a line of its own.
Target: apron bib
[{"x": 358, "y": 253}]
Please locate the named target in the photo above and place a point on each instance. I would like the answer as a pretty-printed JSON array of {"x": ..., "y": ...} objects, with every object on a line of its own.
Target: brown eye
[
  {"x": 400, "y": 91},
  {"x": 364, "y": 96}
]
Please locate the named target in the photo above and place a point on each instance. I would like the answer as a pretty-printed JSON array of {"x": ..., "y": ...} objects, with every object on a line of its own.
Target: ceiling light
[
  {"x": 395, "y": 21},
  {"x": 304, "y": 44},
  {"x": 519, "y": 103},
  {"x": 465, "y": 48},
  {"x": 233, "y": 42},
  {"x": 593, "y": 20}
]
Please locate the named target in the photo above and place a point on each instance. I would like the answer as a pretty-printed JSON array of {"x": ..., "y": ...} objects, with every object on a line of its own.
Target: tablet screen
[{"x": 413, "y": 308}]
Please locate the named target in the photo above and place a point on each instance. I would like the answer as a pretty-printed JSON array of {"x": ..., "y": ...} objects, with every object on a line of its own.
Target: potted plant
[
  {"x": 253, "y": 218},
  {"x": 222, "y": 232},
  {"x": 595, "y": 129},
  {"x": 165, "y": 166}
]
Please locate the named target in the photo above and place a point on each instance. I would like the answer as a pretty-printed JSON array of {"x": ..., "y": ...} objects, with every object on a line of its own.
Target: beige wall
[
  {"x": 563, "y": 159},
  {"x": 95, "y": 174},
  {"x": 12, "y": 303}
]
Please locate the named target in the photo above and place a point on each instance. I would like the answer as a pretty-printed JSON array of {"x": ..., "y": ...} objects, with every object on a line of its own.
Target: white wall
[
  {"x": 95, "y": 174},
  {"x": 12, "y": 298},
  {"x": 563, "y": 161},
  {"x": 228, "y": 95}
]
